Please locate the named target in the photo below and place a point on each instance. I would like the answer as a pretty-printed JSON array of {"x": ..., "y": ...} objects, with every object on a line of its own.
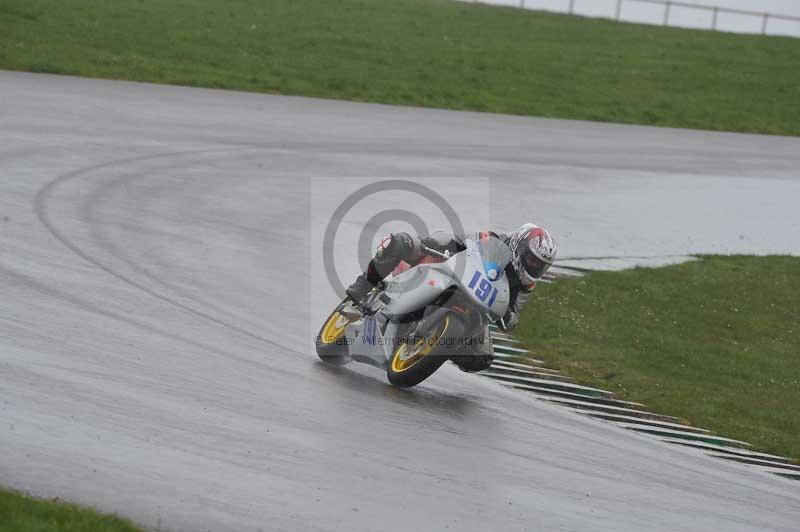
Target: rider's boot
[
  {"x": 379, "y": 267},
  {"x": 368, "y": 280},
  {"x": 360, "y": 288}
]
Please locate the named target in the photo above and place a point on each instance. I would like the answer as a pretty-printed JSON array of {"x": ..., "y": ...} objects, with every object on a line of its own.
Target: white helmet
[{"x": 533, "y": 252}]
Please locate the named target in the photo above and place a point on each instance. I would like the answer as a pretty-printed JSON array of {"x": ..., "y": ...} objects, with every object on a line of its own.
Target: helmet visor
[{"x": 534, "y": 266}]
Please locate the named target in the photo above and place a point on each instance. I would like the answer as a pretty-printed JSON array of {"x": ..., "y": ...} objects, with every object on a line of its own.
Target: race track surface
[{"x": 155, "y": 314}]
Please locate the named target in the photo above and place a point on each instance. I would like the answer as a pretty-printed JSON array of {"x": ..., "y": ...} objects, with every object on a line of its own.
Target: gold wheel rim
[
  {"x": 405, "y": 358},
  {"x": 334, "y": 328}
]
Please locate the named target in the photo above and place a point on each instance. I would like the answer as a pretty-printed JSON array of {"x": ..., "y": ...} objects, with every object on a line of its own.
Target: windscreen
[{"x": 496, "y": 256}]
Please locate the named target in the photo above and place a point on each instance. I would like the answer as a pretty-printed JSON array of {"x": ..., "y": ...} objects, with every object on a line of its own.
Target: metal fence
[{"x": 668, "y": 5}]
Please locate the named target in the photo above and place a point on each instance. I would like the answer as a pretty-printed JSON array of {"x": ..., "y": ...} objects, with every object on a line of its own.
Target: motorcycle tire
[
  {"x": 413, "y": 362},
  {"x": 330, "y": 342}
]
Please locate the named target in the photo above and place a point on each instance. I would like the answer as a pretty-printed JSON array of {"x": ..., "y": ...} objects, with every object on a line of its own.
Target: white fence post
[{"x": 715, "y": 11}]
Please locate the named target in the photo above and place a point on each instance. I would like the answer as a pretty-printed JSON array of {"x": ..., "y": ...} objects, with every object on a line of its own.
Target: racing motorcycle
[{"x": 424, "y": 315}]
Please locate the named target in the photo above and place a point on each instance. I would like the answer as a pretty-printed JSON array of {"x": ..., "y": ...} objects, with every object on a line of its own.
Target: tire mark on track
[
  {"x": 98, "y": 234},
  {"x": 49, "y": 291},
  {"x": 40, "y": 206}
]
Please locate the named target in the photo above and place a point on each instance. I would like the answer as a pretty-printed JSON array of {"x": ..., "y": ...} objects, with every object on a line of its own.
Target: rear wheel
[
  {"x": 331, "y": 341},
  {"x": 413, "y": 362}
]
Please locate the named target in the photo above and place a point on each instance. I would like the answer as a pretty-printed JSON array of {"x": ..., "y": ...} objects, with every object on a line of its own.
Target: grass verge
[
  {"x": 715, "y": 341},
  {"x": 420, "y": 52},
  {"x": 19, "y": 513}
]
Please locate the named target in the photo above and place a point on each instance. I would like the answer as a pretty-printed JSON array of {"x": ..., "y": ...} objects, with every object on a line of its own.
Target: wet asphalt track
[{"x": 155, "y": 310}]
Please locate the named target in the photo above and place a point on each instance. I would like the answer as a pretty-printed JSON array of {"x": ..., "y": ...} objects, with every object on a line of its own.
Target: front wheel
[
  {"x": 413, "y": 362},
  {"x": 331, "y": 341}
]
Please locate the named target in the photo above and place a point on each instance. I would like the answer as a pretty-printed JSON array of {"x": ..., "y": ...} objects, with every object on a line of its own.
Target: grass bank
[
  {"x": 420, "y": 52},
  {"x": 715, "y": 342},
  {"x": 19, "y": 513}
]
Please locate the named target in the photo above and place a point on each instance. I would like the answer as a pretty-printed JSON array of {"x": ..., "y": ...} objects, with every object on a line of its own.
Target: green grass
[
  {"x": 420, "y": 52},
  {"x": 19, "y": 513},
  {"x": 715, "y": 341}
]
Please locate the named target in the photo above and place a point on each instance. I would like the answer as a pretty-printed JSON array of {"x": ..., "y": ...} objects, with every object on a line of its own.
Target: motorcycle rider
[{"x": 533, "y": 251}]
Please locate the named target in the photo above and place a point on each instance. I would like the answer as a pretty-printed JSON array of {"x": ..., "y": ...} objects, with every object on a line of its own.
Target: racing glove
[{"x": 509, "y": 321}]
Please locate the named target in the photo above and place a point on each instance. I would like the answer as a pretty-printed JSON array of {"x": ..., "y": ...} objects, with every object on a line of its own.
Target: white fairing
[{"x": 468, "y": 271}]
